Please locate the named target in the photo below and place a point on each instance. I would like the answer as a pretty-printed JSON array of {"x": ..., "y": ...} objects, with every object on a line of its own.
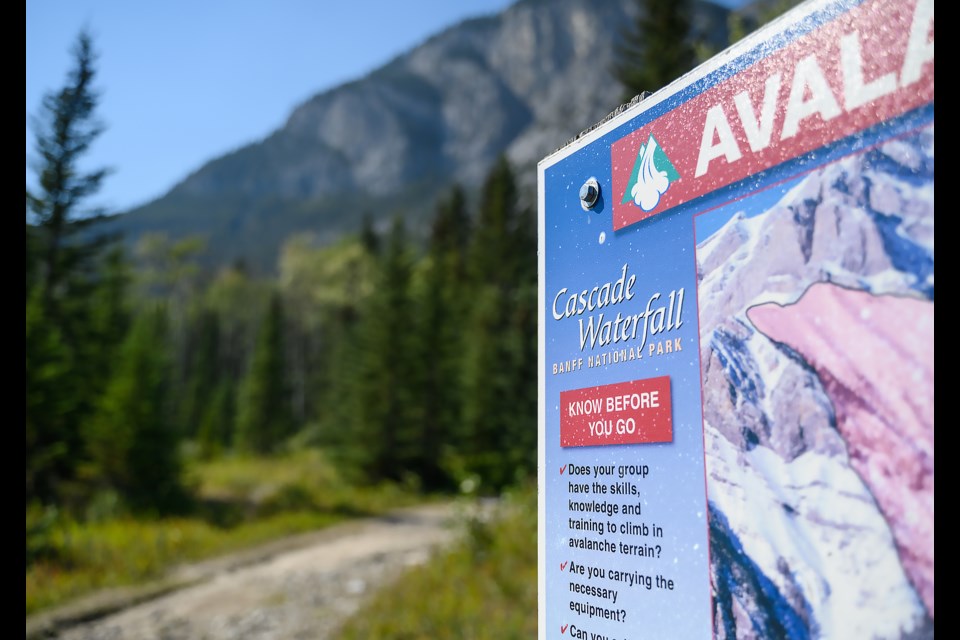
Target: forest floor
[{"x": 302, "y": 587}]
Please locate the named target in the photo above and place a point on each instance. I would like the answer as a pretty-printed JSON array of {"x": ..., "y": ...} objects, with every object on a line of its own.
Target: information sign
[{"x": 736, "y": 344}]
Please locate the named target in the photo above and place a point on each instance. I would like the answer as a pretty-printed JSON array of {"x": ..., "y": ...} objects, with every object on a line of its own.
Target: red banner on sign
[
  {"x": 635, "y": 412},
  {"x": 871, "y": 64}
]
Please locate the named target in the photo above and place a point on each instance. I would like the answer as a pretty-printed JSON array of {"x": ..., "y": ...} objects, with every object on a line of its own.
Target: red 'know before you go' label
[{"x": 634, "y": 412}]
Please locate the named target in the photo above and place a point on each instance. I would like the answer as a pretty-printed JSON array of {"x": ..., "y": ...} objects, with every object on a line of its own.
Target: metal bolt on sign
[{"x": 589, "y": 194}]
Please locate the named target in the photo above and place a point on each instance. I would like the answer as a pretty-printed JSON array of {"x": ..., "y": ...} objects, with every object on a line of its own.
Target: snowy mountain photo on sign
[{"x": 816, "y": 312}]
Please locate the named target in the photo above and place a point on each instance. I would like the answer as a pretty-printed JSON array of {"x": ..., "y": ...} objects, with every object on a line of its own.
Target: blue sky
[{"x": 183, "y": 82}]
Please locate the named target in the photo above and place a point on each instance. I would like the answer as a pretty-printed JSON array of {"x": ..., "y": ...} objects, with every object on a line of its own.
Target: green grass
[
  {"x": 484, "y": 587},
  {"x": 241, "y": 503}
]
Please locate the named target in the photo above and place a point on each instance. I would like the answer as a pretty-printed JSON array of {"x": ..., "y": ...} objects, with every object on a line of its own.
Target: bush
[{"x": 494, "y": 571}]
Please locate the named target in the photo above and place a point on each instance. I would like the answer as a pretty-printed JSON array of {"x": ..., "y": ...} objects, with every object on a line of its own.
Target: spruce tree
[
  {"x": 66, "y": 128},
  {"x": 657, "y": 48},
  {"x": 132, "y": 442},
  {"x": 441, "y": 298},
  {"x": 450, "y": 231},
  {"x": 368, "y": 236},
  {"x": 381, "y": 426},
  {"x": 497, "y": 434},
  {"x": 52, "y": 439},
  {"x": 203, "y": 370},
  {"x": 741, "y": 24},
  {"x": 76, "y": 310},
  {"x": 216, "y": 422},
  {"x": 264, "y": 416},
  {"x": 492, "y": 259}
]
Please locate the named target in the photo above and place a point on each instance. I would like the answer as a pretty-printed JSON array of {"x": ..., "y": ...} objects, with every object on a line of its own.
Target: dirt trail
[{"x": 301, "y": 588}]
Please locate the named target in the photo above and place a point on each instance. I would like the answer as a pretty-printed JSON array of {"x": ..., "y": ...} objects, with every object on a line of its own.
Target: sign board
[{"x": 736, "y": 344}]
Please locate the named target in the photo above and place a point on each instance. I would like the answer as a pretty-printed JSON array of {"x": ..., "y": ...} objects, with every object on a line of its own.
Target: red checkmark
[
  {"x": 563, "y": 565},
  {"x": 562, "y": 469},
  {"x": 563, "y": 629}
]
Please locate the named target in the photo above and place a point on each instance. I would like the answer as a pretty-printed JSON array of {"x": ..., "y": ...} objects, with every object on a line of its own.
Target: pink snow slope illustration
[{"x": 874, "y": 357}]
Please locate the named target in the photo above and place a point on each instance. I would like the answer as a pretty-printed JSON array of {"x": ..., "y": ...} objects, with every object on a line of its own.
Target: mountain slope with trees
[{"x": 520, "y": 83}]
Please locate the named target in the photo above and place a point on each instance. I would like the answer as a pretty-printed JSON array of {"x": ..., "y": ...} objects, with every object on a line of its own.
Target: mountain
[{"x": 522, "y": 82}]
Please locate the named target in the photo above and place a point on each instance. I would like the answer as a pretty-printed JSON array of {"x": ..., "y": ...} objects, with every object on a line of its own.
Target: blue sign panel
[{"x": 736, "y": 344}]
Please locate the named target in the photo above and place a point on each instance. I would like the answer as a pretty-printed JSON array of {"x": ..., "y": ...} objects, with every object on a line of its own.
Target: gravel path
[{"x": 301, "y": 588}]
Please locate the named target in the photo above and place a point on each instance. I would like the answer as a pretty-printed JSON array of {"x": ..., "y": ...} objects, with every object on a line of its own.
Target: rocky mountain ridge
[{"x": 521, "y": 82}]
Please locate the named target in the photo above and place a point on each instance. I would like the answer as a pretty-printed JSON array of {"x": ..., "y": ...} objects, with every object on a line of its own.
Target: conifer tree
[
  {"x": 66, "y": 128},
  {"x": 76, "y": 288},
  {"x": 264, "y": 416},
  {"x": 216, "y": 421},
  {"x": 740, "y": 25},
  {"x": 450, "y": 231},
  {"x": 203, "y": 370},
  {"x": 492, "y": 258},
  {"x": 368, "y": 236},
  {"x": 382, "y": 382},
  {"x": 497, "y": 436},
  {"x": 132, "y": 442},
  {"x": 657, "y": 48},
  {"x": 441, "y": 301},
  {"x": 52, "y": 438}
]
